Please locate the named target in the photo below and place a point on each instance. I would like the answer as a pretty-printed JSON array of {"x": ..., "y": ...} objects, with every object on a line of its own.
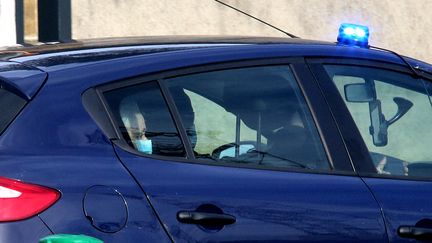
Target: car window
[
  {"x": 210, "y": 134},
  {"x": 255, "y": 116},
  {"x": 393, "y": 114},
  {"x": 144, "y": 120},
  {"x": 10, "y": 106}
]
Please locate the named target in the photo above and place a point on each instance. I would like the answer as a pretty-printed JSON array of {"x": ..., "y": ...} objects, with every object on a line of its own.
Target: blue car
[{"x": 208, "y": 139}]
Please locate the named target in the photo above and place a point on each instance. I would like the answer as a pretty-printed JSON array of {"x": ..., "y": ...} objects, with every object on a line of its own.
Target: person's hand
[
  {"x": 380, "y": 166},
  {"x": 383, "y": 162}
]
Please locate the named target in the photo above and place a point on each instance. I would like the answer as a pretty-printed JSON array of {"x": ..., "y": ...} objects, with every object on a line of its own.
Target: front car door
[
  {"x": 385, "y": 117},
  {"x": 241, "y": 152}
]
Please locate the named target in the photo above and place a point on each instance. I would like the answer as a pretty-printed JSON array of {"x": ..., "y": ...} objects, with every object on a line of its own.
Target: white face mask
[{"x": 144, "y": 146}]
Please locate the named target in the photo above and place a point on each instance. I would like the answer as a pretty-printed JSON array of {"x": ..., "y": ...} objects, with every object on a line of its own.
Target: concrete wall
[
  {"x": 7, "y": 23},
  {"x": 30, "y": 21},
  {"x": 396, "y": 24}
]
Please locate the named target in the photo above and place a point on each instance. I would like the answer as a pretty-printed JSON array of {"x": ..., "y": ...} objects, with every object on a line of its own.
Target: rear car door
[
  {"x": 385, "y": 117},
  {"x": 241, "y": 152}
]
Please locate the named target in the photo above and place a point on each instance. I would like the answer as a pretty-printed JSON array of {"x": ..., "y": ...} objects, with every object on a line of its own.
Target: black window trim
[
  {"x": 344, "y": 120},
  {"x": 18, "y": 93},
  {"x": 339, "y": 160},
  {"x": 118, "y": 139},
  {"x": 176, "y": 119}
]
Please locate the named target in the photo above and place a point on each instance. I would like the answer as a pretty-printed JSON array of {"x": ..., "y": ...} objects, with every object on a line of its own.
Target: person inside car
[{"x": 135, "y": 124}]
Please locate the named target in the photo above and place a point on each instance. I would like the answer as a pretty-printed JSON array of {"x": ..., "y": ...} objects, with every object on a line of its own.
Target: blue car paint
[
  {"x": 54, "y": 142},
  {"x": 196, "y": 56},
  {"x": 26, "y": 80},
  {"x": 269, "y": 206},
  {"x": 29, "y": 230},
  {"x": 404, "y": 202}
]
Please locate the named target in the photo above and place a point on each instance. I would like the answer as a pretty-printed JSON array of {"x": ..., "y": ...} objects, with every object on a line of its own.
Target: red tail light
[{"x": 19, "y": 200}]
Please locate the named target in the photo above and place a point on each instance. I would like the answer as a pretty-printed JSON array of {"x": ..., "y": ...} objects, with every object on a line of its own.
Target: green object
[{"x": 64, "y": 238}]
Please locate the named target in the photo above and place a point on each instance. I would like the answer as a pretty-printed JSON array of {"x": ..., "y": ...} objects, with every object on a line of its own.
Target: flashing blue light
[{"x": 352, "y": 34}]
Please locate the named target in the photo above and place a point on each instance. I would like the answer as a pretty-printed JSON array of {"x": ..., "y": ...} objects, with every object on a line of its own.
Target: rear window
[{"x": 10, "y": 105}]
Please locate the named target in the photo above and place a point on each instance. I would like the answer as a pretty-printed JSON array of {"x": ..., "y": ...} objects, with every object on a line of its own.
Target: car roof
[
  {"x": 152, "y": 44},
  {"x": 151, "y": 40},
  {"x": 48, "y": 55}
]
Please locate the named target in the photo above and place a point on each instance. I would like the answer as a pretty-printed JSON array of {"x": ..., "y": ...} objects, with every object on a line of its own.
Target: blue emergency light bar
[{"x": 352, "y": 34}]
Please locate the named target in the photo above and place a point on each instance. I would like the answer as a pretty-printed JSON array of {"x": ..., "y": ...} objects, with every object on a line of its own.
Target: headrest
[
  {"x": 268, "y": 95},
  {"x": 184, "y": 105}
]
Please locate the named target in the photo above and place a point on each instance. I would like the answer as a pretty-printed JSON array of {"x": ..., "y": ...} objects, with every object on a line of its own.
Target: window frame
[
  {"x": 329, "y": 136},
  {"x": 355, "y": 144},
  {"x": 14, "y": 91}
]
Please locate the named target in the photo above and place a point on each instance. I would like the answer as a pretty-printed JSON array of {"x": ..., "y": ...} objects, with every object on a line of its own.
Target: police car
[{"x": 196, "y": 139}]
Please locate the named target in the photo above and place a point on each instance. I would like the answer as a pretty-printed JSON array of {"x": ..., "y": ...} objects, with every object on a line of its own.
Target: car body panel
[
  {"x": 404, "y": 200},
  {"x": 111, "y": 48},
  {"x": 56, "y": 143},
  {"x": 51, "y": 62},
  {"x": 24, "y": 79},
  {"x": 29, "y": 230},
  {"x": 130, "y": 66},
  {"x": 404, "y": 203},
  {"x": 268, "y": 205}
]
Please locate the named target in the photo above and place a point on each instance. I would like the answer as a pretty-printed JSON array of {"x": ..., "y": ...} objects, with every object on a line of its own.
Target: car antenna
[
  {"x": 358, "y": 35},
  {"x": 413, "y": 70},
  {"x": 262, "y": 21}
]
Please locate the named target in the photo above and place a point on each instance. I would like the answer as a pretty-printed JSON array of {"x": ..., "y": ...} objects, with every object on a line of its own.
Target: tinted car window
[
  {"x": 393, "y": 114},
  {"x": 10, "y": 106},
  {"x": 255, "y": 116},
  {"x": 144, "y": 120}
]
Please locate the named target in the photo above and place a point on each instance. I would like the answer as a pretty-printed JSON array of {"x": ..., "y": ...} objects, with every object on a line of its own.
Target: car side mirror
[{"x": 359, "y": 92}]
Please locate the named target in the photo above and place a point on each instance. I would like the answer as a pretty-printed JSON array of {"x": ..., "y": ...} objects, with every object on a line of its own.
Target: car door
[
  {"x": 385, "y": 117},
  {"x": 241, "y": 152}
]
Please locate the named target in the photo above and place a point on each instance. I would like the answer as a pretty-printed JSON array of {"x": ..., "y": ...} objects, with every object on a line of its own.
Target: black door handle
[
  {"x": 418, "y": 233},
  {"x": 207, "y": 219}
]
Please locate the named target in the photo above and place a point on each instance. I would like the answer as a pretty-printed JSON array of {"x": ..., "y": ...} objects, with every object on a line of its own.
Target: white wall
[
  {"x": 400, "y": 25},
  {"x": 7, "y": 22}
]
